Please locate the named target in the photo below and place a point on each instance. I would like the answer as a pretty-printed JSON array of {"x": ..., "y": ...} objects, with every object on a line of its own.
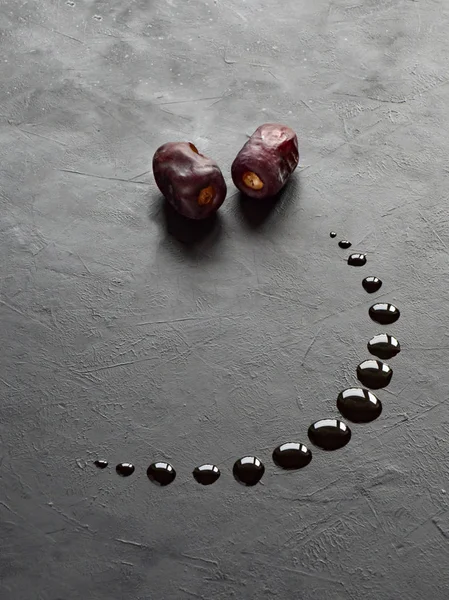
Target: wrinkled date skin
[
  {"x": 191, "y": 182},
  {"x": 266, "y": 161}
]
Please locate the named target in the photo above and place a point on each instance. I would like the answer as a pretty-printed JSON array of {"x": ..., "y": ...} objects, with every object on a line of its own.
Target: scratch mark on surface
[
  {"x": 177, "y": 357},
  {"x": 8, "y": 385},
  {"x": 71, "y": 519},
  {"x": 131, "y": 543},
  {"x": 304, "y": 103},
  {"x": 22, "y": 314},
  {"x": 84, "y": 264},
  {"x": 394, "y": 208},
  {"x": 435, "y": 233},
  {"x": 371, "y": 507},
  {"x": 201, "y": 559},
  {"x": 328, "y": 485},
  {"x": 188, "y": 101},
  {"x": 9, "y": 508},
  {"x": 113, "y": 366},
  {"x": 169, "y": 112},
  {"x": 70, "y": 37},
  {"x": 219, "y": 100},
  {"x": 421, "y": 523},
  {"x": 311, "y": 575},
  {"x": 168, "y": 321},
  {"x": 103, "y": 177},
  {"x": 310, "y": 346},
  {"x": 194, "y": 594},
  {"x": 141, "y": 174},
  {"x": 374, "y": 98},
  {"x": 443, "y": 532},
  {"x": 39, "y": 135}
]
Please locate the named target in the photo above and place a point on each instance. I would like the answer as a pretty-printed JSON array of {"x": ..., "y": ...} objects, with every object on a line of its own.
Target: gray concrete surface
[{"x": 120, "y": 341}]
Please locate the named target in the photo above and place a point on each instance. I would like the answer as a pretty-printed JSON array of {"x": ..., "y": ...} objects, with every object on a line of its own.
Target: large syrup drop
[
  {"x": 329, "y": 434},
  {"x": 161, "y": 473},
  {"x": 375, "y": 374},
  {"x": 248, "y": 470},
  {"x": 359, "y": 405},
  {"x": 292, "y": 455}
]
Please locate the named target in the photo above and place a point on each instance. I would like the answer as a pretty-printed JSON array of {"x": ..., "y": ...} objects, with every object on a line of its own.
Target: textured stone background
[{"x": 119, "y": 341}]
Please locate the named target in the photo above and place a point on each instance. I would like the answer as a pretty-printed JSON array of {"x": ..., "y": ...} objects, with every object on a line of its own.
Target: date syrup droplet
[
  {"x": 374, "y": 374},
  {"x": 161, "y": 473},
  {"x": 372, "y": 284},
  {"x": 384, "y": 313},
  {"x": 359, "y": 405},
  {"x": 384, "y": 346},
  {"x": 333, "y": 234},
  {"x": 125, "y": 469},
  {"x": 101, "y": 464},
  {"x": 248, "y": 470},
  {"x": 345, "y": 244},
  {"x": 357, "y": 260},
  {"x": 329, "y": 434},
  {"x": 292, "y": 455},
  {"x": 206, "y": 474}
]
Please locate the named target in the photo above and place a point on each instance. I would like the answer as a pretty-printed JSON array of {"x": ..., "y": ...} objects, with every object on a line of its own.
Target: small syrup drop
[
  {"x": 359, "y": 405},
  {"x": 292, "y": 455},
  {"x": 329, "y": 434},
  {"x": 345, "y": 244},
  {"x": 333, "y": 234},
  {"x": 372, "y": 284},
  {"x": 248, "y": 470},
  {"x": 357, "y": 260},
  {"x": 384, "y": 313},
  {"x": 374, "y": 374},
  {"x": 206, "y": 474},
  {"x": 161, "y": 473},
  {"x": 101, "y": 464},
  {"x": 125, "y": 469},
  {"x": 384, "y": 346}
]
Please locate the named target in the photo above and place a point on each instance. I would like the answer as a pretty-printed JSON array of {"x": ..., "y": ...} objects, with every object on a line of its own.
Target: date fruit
[
  {"x": 266, "y": 161},
  {"x": 192, "y": 183}
]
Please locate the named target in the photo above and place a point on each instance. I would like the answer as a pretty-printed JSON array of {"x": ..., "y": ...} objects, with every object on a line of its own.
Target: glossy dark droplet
[
  {"x": 206, "y": 474},
  {"x": 359, "y": 405},
  {"x": 101, "y": 464},
  {"x": 357, "y": 260},
  {"x": 345, "y": 244},
  {"x": 333, "y": 234},
  {"x": 384, "y": 346},
  {"x": 384, "y": 313},
  {"x": 248, "y": 470},
  {"x": 375, "y": 374},
  {"x": 372, "y": 284},
  {"x": 329, "y": 434},
  {"x": 125, "y": 469},
  {"x": 161, "y": 473},
  {"x": 292, "y": 455}
]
